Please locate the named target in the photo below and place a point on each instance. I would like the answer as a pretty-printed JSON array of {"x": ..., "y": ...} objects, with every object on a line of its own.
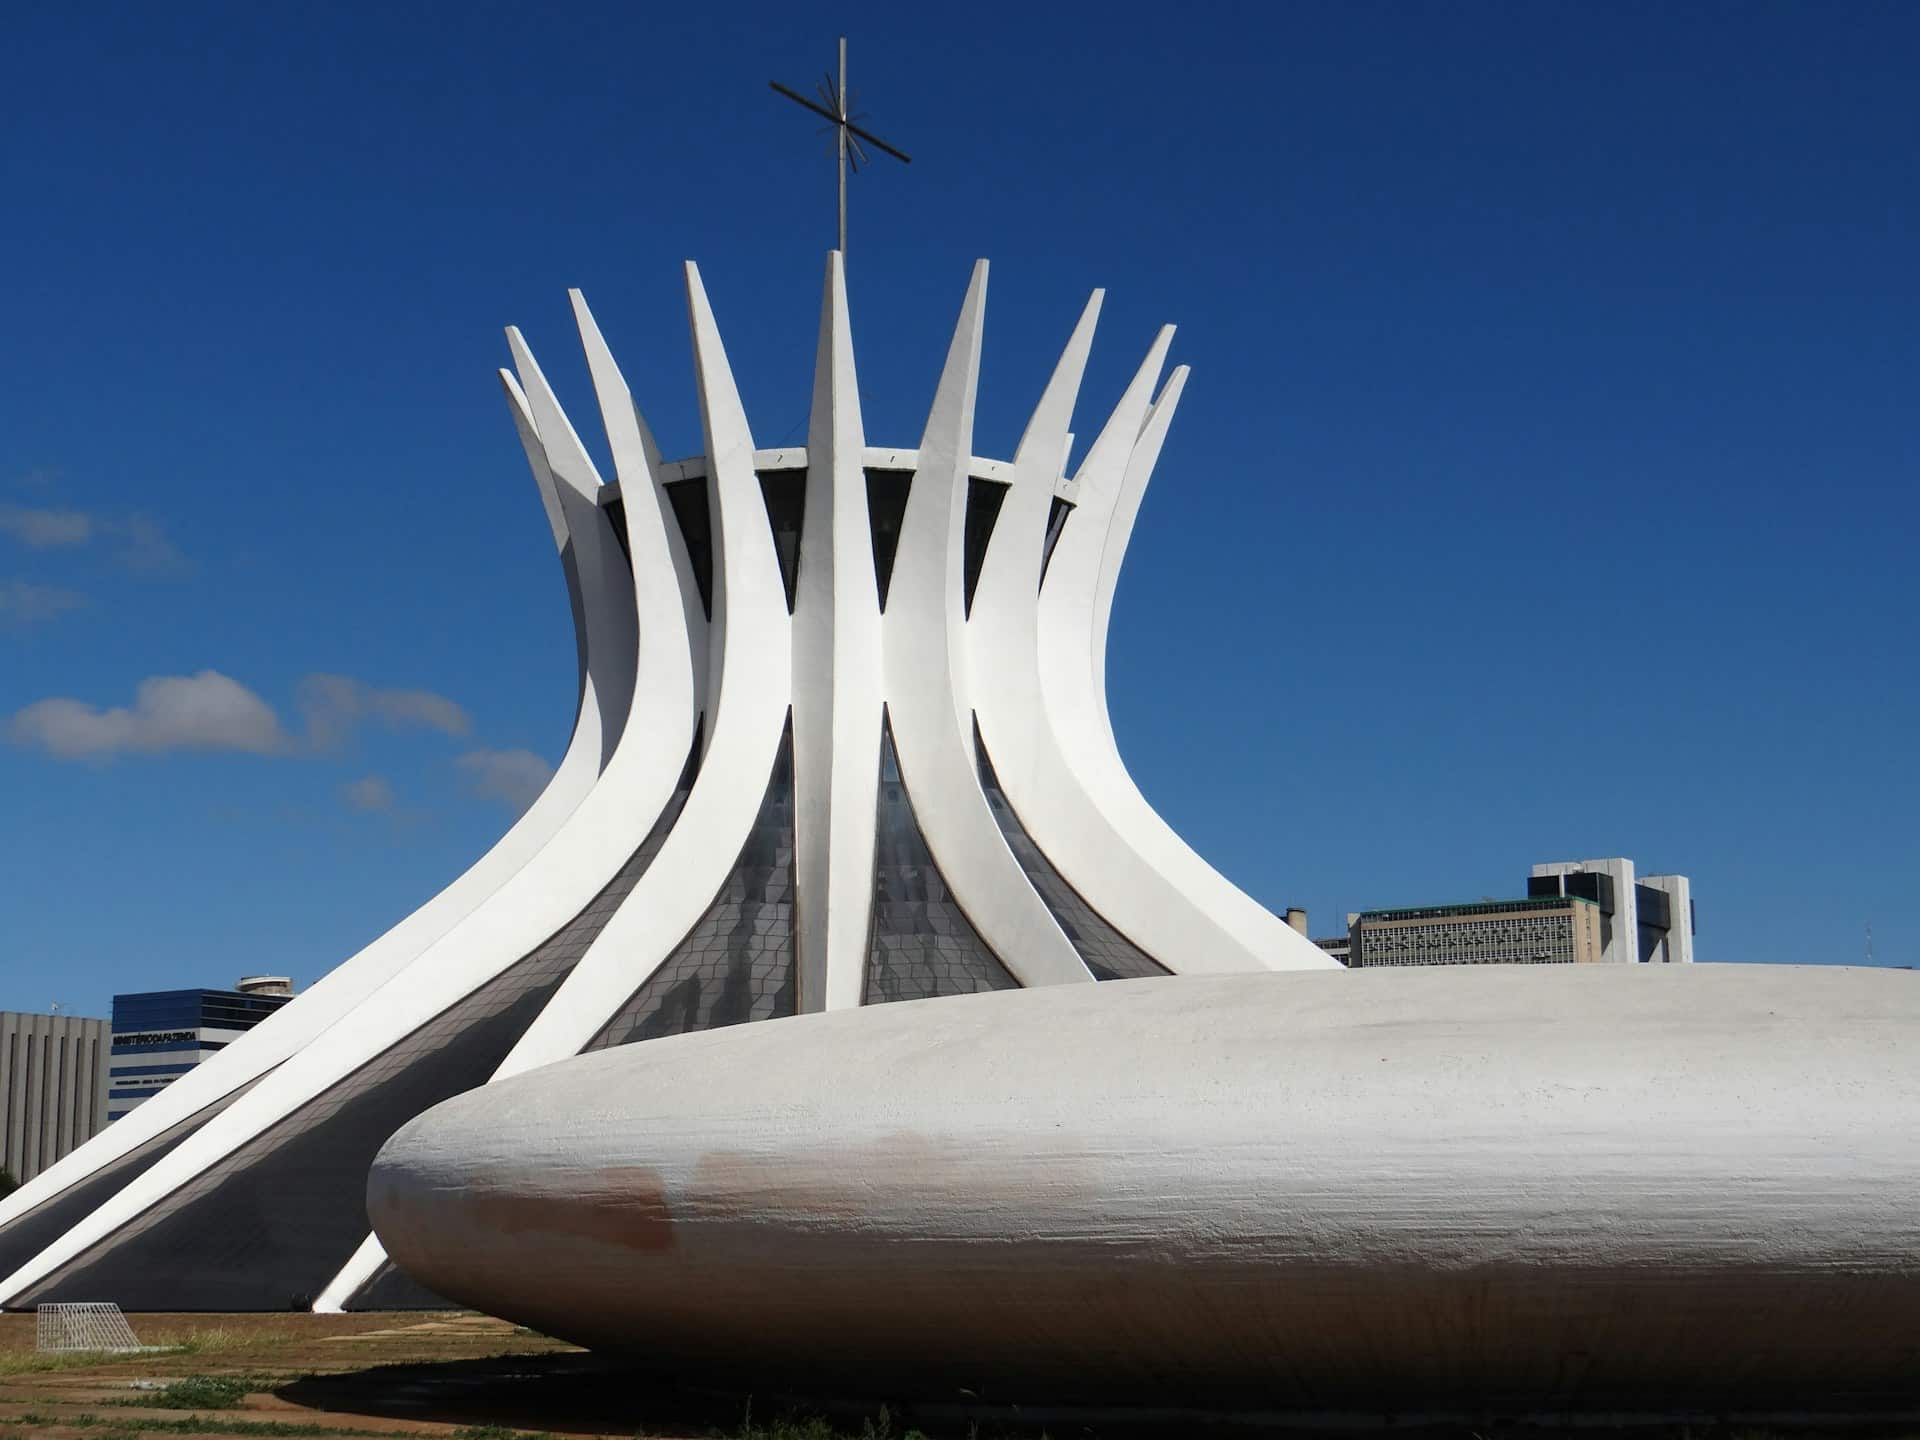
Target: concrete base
[{"x": 1537, "y": 1187}]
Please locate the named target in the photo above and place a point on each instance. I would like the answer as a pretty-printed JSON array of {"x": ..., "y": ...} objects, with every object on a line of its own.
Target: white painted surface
[
  {"x": 750, "y": 687},
  {"x": 1544, "y": 1184},
  {"x": 836, "y": 681}
]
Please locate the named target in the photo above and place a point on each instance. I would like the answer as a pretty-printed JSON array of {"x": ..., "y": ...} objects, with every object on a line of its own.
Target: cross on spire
[{"x": 836, "y": 106}]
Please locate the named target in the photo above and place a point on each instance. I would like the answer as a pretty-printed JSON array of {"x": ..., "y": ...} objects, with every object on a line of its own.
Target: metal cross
[{"x": 837, "y": 107}]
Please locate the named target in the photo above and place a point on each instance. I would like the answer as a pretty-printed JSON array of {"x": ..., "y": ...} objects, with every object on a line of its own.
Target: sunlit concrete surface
[{"x": 1543, "y": 1185}]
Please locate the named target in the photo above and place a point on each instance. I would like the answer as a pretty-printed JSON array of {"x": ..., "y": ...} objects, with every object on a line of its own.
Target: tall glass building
[{"x": 160, "y": 1035}]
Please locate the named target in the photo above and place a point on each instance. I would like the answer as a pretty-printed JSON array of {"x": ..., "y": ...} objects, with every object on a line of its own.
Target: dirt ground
[
  {"x": 413, "y": 1374},
  {"x": 454, "y": 1374},
  {"x": 471, "y": 1377}
]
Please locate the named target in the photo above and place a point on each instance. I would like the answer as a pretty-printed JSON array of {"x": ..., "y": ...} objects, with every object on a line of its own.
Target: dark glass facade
[
  {"x": 190, "y": 1010},
  {"x": 689, "y": 501},
  {"x": 886, "y": 511},
  {"x": 160, "y": 1035},
  {"x": 785, "y": 492},
  {"x": 616, "y": 512},
  {"x": 984, "y": 499},
  {"x": 1056, "y": 522},
  {"x": 1107, "y": 953},
  {"x": 923, "y": 944},
  {"x": 738, "y": 964}
]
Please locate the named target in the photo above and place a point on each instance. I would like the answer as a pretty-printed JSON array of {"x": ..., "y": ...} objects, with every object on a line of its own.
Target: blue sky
[{"x": 1546, "y": 486}]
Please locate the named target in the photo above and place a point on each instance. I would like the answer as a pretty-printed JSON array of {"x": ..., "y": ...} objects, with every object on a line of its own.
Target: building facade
[
  {"x": 160, "y": 1035},
  {"x": 1340, "y": 947},
  {"x": 53, "y": 1088},
  {"x": 1576, "y": 912},
  {"x": 1645, "y": 921},
  {"x": 1557, "y": 930}
]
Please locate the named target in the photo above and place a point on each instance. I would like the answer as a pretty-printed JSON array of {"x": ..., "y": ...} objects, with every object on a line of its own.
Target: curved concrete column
[
  {"x": 927, "y": 684},
  {"x": 550, "y": 888},
  {"x": 750, "y": 685},
  {"x": 605, "y": 686},
  {"x": 671, "y": 620},
  {"x": 671, "y": 629},
  {"x": 836, "y": 680},
  {"x": 1028, "y": 750},
  {"x": 1075, "y": 600}
]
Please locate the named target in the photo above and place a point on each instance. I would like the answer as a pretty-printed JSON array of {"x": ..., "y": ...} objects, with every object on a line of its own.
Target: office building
[
  {"x": 1648, "y": 921},
  {"x": 1557, "y": 930},
  {"x": 1340, "y": 947},
  {"x": 53, "y": 1088},
  {"x": 1576, "y": 912},
  {"x": 160, "y": 1035}
]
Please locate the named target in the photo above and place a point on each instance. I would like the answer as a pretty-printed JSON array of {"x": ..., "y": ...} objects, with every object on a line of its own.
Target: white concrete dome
[{"x": 1549, "y": 1187}]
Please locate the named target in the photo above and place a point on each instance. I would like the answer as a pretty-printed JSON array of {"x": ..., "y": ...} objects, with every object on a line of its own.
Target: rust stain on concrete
[
  {"x": 894, "y": 1173},
  {"x": 622, "y": 1205}
]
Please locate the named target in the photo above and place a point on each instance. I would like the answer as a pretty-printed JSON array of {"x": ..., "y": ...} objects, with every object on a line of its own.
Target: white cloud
[
  {"x": 24, "y": 603},
  {"x": 145, "y": 548},
  {"x": 207, "y": 711},
  {"x": 212, "y": 711},
  {"x": 335, "y": 704},
  {"x": 141, "y": 543},
  {"x": 513, "y": 777},
  {"x": 45, "y": 529},
  {"x": 370, "y": 792}
]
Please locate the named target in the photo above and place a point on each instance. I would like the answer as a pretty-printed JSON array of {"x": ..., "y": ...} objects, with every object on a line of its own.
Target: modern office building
[
  {"x": 160, "y": 1035},
  {"x": 1648, "y": 921},
  {"x": 53, "y": 1088},
  {"x": 1576, "y": 912},
  {"x": 1560, "y": 930},
  {"x": 1340, "y": 947}
]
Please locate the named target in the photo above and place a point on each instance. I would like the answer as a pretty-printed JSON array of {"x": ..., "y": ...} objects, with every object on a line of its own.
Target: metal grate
[{"x": 84, "y": 1325}]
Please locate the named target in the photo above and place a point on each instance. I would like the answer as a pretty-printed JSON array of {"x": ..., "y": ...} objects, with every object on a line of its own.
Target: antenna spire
[{"x": 836, "y": 106}]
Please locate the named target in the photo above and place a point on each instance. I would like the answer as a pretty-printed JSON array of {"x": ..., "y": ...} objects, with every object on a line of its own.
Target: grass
[
  {"x": 212, "y": 1342},
  {"x": 32, "y": 1362},
  {"x": 115, "y": 1427},
  {"x": 119, "y": 1428},
  {"x": 198, "y": 1392},
  {"x": 813, "y": 1427},
  {"x": 198, "y": 1342}
]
